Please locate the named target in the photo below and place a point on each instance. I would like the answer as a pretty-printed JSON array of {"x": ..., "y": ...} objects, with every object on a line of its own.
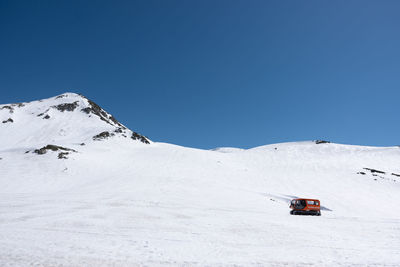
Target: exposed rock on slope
[
  {"x": 44, "y": 149},
  {"x": 95, "y": 109},
  {"x": 61, "y": 155},
  {"x": 388, "y": 176},
  {"x": 66, "y": 106},
  {"x": 321, "y": 142},
  {"x": 9, "y": 120}
]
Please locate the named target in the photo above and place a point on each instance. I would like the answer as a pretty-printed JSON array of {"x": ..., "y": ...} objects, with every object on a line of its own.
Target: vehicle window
[
  {"x": 310, "y": 202},
  {"x": 316, "y": 203}
]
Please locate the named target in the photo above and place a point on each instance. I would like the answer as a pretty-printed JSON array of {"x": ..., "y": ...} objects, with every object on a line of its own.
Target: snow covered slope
[{"x": 121, "y": 202}]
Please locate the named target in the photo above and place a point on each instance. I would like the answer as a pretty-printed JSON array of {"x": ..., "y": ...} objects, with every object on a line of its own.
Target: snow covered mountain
[
  {"x": 65, "y": 119},
  {"x": 77, "y": 188}
]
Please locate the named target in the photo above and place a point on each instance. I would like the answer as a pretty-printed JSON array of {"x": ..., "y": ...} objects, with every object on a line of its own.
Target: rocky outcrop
[
  {"x": 321, "y": 142},
  {"x": 9, "y": 120},
  {"x": 96, "y": 110},
  {"x": 44, "y": 149},
  {"x": 63, "y": 151},
  {"x": 141, "y": 138},
  {"x": 102, "y": 135},
  {"x": 66, "y": 106}
]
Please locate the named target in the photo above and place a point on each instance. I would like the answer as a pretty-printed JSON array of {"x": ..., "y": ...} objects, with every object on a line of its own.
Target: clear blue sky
[{"x": 214, "y": 73}]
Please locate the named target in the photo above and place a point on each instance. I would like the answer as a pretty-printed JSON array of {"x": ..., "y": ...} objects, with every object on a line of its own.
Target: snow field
[{"x": 119, "y": 202}]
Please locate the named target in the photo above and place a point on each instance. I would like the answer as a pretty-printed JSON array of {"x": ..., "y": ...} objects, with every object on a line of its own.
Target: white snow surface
[{"x": 120, "y": 202}]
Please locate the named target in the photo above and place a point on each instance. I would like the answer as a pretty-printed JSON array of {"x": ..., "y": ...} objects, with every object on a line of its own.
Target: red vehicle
[{"x": 305, "y": 206}]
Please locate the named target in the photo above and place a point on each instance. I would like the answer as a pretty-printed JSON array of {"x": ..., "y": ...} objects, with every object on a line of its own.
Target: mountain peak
[
  {"x": 63, "y": 119},
  {"x": 69, "y": 95}
]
